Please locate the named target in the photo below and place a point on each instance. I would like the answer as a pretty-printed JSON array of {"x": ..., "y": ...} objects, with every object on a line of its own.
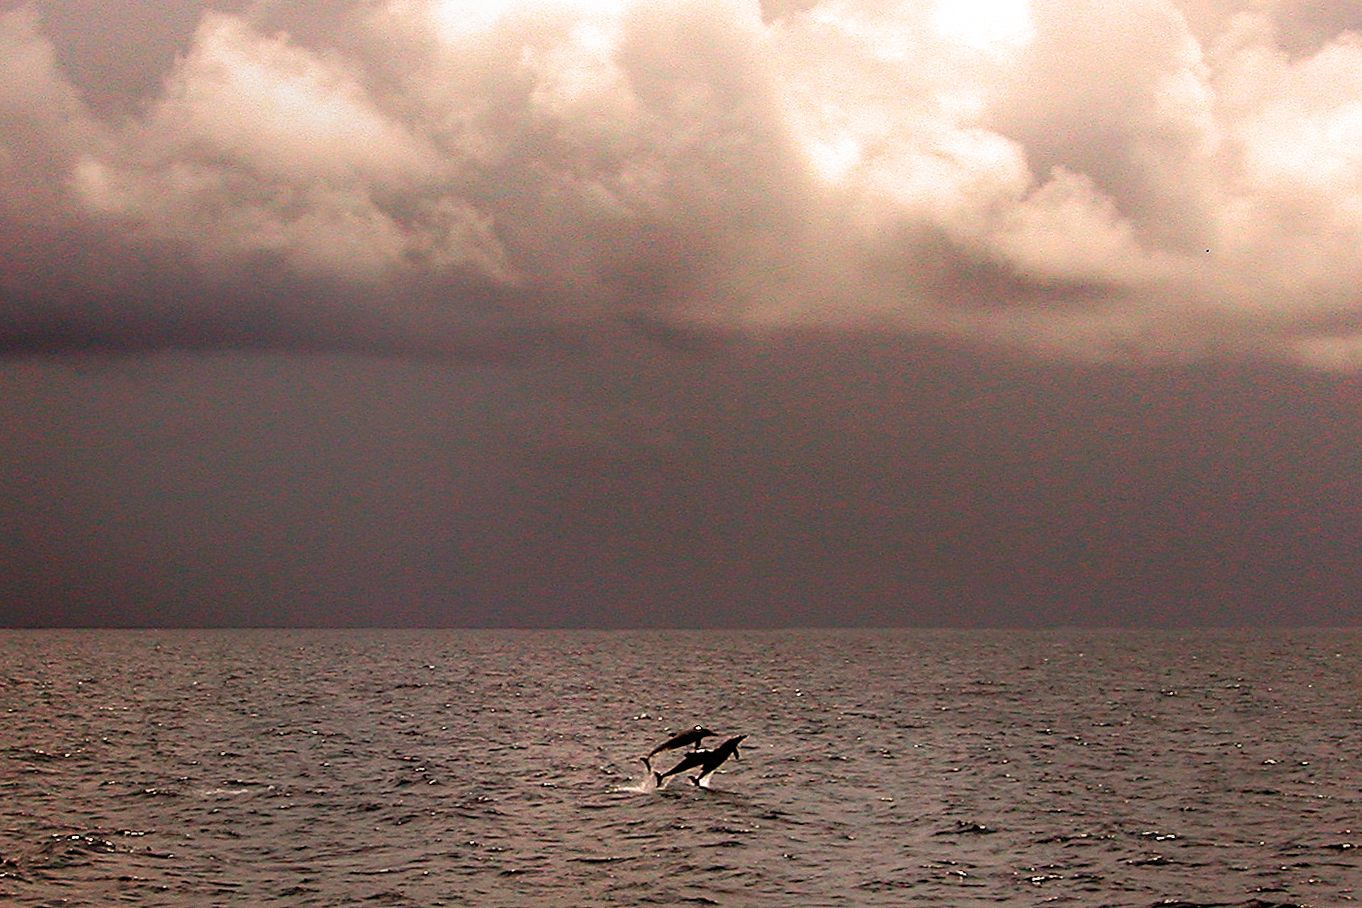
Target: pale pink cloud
[{"x": 1139, "y": 178}]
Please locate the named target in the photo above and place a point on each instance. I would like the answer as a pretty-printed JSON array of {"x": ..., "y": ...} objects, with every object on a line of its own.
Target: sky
[{"x": 698, "y": 313}]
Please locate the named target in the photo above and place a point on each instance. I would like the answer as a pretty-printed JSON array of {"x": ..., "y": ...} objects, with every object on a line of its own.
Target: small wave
[
  {"x": 1251, "y": 903},
  {"x": 967, "y": 828}
]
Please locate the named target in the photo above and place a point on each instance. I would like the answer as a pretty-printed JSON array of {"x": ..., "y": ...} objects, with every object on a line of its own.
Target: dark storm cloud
[{"x": 1132, "y": 180}]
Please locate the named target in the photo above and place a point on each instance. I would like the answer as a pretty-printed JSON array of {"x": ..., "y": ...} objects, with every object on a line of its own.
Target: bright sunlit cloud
[
  {"x": 987, "y": 25},
  {"x": 964, "y": 165}
]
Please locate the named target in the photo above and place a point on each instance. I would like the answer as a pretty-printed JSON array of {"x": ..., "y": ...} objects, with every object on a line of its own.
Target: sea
[{"x": 502, "y": 768}]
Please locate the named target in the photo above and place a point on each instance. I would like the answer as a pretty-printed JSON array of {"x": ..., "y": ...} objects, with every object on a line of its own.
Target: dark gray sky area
[{"x": 700, "y": 313}]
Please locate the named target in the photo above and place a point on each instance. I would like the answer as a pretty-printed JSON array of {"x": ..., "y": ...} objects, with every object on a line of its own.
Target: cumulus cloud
[
  {"x": 1109, "y": 180},
  {"x": 260, "y": 146},
  {"x": 43, "y": 125}
]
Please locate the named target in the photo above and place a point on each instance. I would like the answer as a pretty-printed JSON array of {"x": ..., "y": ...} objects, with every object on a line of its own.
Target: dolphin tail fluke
[
  {"x": 647, "y": 761},
  {"x": 658, "y": 776}
]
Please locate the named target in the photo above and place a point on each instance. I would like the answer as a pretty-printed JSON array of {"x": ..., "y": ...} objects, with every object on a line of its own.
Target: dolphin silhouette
[
  {"x": 718, "y": 756},
  {"x": 685, "y": 739},
  {"x": 689, "y": 761},
  {"x": 706, "y": 760}
]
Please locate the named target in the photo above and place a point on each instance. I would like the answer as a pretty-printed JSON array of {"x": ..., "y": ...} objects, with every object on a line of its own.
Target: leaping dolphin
[
  {"x": 718, "y": 756},
  {"x": 707, "y": 760},
  {"x": 689, "y": 761},
  {"x": 685, "y": 739}
]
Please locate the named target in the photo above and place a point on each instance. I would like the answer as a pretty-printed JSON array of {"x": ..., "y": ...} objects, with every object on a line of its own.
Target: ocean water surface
[{"x": 501, "y": 768}]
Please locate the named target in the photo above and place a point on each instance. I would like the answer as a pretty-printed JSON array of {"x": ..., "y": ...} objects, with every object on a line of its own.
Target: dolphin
[
  {"x": 685, "y": 739},
  {"x": 706, "y": 760},
  {"x": 689, "y": 761},
  {"x": 717, "y": 756}
]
